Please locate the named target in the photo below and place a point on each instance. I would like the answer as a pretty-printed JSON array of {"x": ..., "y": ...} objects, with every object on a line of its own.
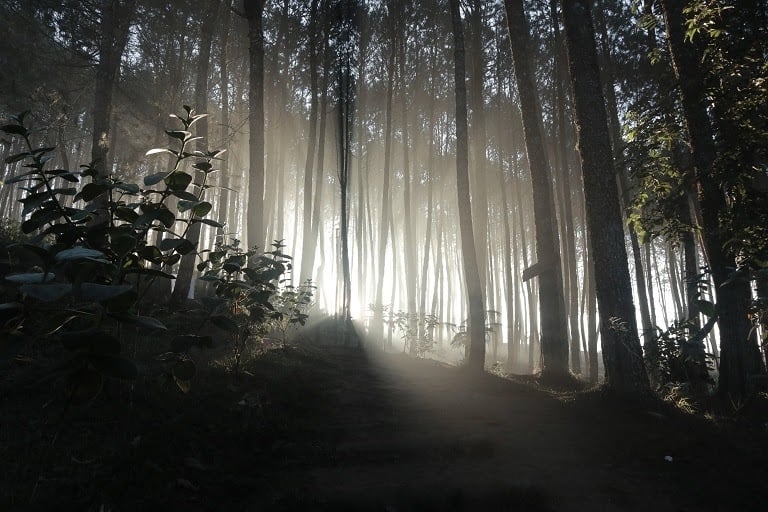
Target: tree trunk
[
  {"x": 307, "y": 248},
  {"x": 622, "y": 354},
  {"x": 739, "y": 355},
  {"x": 116, "y": 18},
  {"x": 476, "y": 328},
  {"x": 554, "y": 329},
  {"x": 378, "y": 309},
  {"x": 254, "y": 10},
  {"x": 183, "y": 281},
  {"x": 224, "y": 198}
]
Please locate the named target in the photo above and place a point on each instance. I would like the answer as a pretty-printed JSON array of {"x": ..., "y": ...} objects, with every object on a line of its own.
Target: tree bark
[
  {"x": 739, "y": 354},
  {"x": 254, "y": 10},
  {"x": 554, "y": 329},
  {"x": 622, "y": 354},
  {"x": 476, "y": 328},
  {"x": 183, "y": 281}
]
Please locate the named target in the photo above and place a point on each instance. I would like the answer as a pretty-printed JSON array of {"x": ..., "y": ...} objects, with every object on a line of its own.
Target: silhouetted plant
[{"x": 92, "y": 255}]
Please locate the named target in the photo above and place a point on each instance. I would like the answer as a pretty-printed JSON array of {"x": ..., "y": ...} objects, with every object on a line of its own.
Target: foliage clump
[{"x": 93, "y": 247}]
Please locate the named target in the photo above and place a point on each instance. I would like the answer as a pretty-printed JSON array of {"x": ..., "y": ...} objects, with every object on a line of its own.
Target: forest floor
[{"x": 333, "y": 428}]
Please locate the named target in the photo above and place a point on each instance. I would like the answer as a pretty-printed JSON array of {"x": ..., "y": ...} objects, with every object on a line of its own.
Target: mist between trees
[{"x": 567, "y": 187}]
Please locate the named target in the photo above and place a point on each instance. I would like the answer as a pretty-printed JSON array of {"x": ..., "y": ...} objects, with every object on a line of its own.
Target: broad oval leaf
[
  {"x": 49, "y": 292},
  {"x": 154, "y": 179},
  {"x": 101, "y": 292},
  {"x": 225, "y": 323},
  {"x": 86, "y": 384},
  {"x": 145, "y": 322},
  {"x": 178, "y": 180},
  {"x": 706, "y": 307},
  {"x": 34, "y": 277},
  {"x": 184, "y": 370},
  {"x": 113, "y": 366},
  {"x": 79, "y": 253}
]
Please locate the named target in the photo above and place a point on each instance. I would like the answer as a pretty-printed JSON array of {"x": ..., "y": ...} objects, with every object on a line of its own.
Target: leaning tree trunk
[
  {"x": 554, "y": 329},
  {"x": 476, "y": 330},
  {"x": 622, "y": 354}
]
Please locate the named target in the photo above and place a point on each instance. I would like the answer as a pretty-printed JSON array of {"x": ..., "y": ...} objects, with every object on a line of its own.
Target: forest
[{"x": 383, "y": 254}]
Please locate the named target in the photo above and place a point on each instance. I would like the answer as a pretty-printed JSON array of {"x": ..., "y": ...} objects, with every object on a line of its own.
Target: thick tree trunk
[
  {"x": 476, "y": 329},
  {"x": 622, "y": 354},
  {"x": 224, "y": 196},
  {"x": 739, "y": 354},
  {"x": 377, "y": 329}
]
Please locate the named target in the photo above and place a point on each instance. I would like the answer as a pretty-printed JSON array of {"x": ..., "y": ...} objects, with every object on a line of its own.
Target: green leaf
[
  {"x": 183, "y": 194},
  {"x": 145, "y": 322},
  {"x": 202, "y": 209},
  {"x": 180, "y": 245},
  {"x": 94, "y": 341},
  {"x": 46, "y": 292},
  {"x": 225, "y": 323},
  {"x": 126, "y": 214},
  {"x": 86, "y": 384},
  {"x": 113, "y": 366},
  {"x": 64, "y": 174},
  {"x": 34, "y": 277},
  {"x": 184, "y": 370},
  {"x": 706, "y": 307},
  {"x": 91, "y": 191},
  {"x": 80, "y": 253},
  {"x": 14, "y": 129},
  {"x": 210, "y": 222},
  {"x": 17, "y": 158},
  {"x": 166, "y": 216},
  {"x": 154, "y": 179},
  {"x": 187, "y": 205},
  {"x": 102, "y": 292},
  {"x": 150, "y": 272},
  {"x": 178, "y": 134},
  {"x": 130, "y": 188},
  {"x": 178, "y": 180},
  {"x": 122, "y": 302},
  {"x": 183, "y": 343},
  {"x": 203, "y": 166},
  {"x": 155, "y": 151},
  {"x": 151, "y": 253}
]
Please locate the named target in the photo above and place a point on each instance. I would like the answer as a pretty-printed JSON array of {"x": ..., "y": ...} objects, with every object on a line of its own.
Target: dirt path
[
  {"x": 335, "y": 429},
  {"x": 421, "y": 436}
]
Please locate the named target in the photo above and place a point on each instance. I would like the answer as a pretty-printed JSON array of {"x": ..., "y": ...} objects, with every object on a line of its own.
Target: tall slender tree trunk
[
  {"x": 224, "y": 196},
  {"x": 554, "y": 329},
  {"x": 650, "y": 343},
  {"x": 183, "y": 281},
  {"x": 254, "y": 10},
  {"x": 622, "y": 354},
  {"x": 378, "y": 309},
  {"x": 476, "y": 330},
  {"x": 308, "y": 249},
  {"x": 116, "y": 18}
]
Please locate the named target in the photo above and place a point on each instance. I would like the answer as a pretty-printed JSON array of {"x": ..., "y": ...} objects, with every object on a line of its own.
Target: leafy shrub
[{"x": 93, "y": 255}]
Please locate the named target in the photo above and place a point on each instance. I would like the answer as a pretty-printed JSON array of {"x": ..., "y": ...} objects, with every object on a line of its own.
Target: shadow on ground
[{"x": 343, "y": 428}]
